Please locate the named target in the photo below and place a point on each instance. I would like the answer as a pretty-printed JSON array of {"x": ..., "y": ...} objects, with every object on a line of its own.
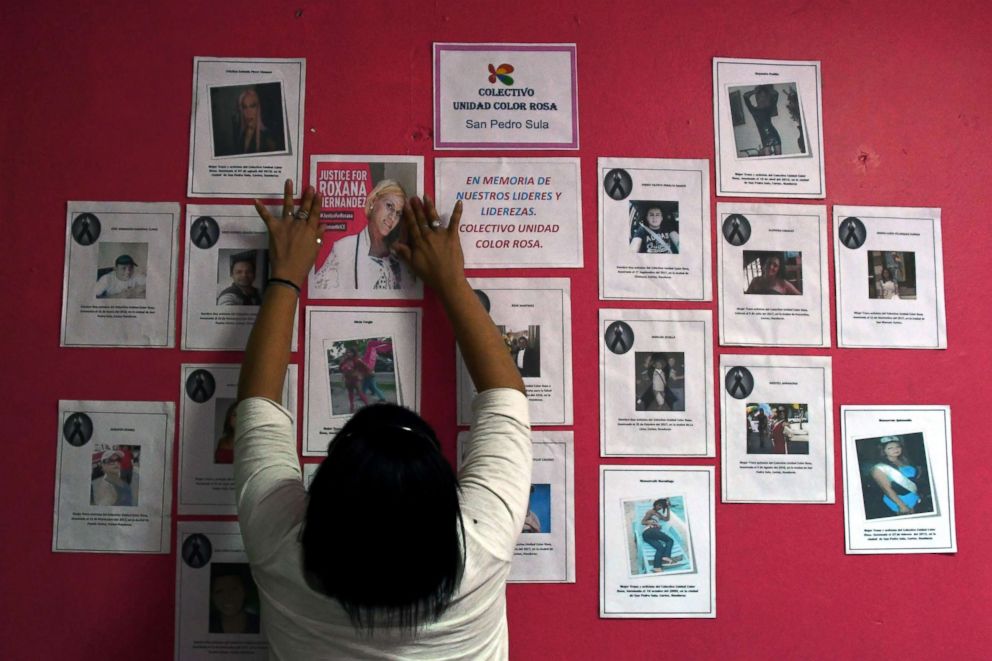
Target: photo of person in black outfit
[{"x": 773, "y": 123}]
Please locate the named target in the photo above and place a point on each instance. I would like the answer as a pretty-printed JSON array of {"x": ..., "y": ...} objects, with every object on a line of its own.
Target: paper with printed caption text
[
  {"x": 330, "y": 333},
  {"x": 517, "y": 212},
  {"x": 633, "y": 582},
  {"x": 246, "y": 127},
  {"x": 776, "y": 149},
  {"x": 540, "y": 311},
  {"x": 656, "y": 384},
  {"x": 113, "y": 477},
  {"x": 874, "y": 522},
  {"x": 505, "y": 96},
  {"x": 889, "y": 278},
  {"x": 119, "y": 281},
  {"x": 211, "y": 555},
  {"x": 545, "y": 550},
  {"x": 219, "y": 240},
  {"x": 206, "y": 472},
  {"x": 654, "y": 255},
  {"x": 772, "y": 271},
  {"x": 776, "y": 415}
]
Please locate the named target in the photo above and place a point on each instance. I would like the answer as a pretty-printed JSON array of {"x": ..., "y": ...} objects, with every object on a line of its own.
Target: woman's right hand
[
  {"x": 434, "y": 253},
  {"x": 293, "y": 243}
]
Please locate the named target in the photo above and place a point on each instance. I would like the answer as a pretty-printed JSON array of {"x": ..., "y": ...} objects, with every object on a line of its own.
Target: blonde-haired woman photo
[
  {"x": 253, "y": 137},
  {"x": 365, "y": 260}
]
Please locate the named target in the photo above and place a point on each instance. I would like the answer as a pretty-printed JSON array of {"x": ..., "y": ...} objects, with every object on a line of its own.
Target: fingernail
[{"x": 458, "y": 204}]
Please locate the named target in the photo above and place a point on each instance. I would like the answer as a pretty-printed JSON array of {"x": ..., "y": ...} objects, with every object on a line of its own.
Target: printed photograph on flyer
[
  {"x": 659, "y": 541},
  {"x": 895, "y": 476}
]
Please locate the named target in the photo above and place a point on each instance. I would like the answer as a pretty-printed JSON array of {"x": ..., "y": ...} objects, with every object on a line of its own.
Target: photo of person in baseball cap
[
  {"x": 123, "y": 279},
  {"x": 114, "y": 476}
]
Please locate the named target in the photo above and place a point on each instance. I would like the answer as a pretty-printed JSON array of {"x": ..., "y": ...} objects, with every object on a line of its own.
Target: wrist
[
  {"x": 276, "y": 283},
  {"x": 451, "y": 289},
  {"x": 283, "y": 274}
]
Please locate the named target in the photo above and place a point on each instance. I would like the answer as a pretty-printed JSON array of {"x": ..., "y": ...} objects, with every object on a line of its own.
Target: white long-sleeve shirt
[{"x": 301, "y": 623}]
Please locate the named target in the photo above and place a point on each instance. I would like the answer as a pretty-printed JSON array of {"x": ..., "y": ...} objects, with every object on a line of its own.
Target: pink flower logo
[{"x": 501, "y": 73}]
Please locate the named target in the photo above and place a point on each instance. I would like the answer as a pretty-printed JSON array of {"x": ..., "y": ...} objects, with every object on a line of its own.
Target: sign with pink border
[{"x": 505, "y": 96}]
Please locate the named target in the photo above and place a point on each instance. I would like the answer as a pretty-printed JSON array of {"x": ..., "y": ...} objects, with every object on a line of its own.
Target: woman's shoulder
[
  {"x": 342, "y": 253},
  {"x": 344, "y": 242},
  {"x": 757, "y": 286}
]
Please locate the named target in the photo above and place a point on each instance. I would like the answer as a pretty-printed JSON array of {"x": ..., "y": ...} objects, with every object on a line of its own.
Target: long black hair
[{"x": 383, "y": 531}]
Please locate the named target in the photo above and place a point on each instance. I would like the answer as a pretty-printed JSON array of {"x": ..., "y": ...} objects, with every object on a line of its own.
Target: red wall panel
[{"x": 96, "y": 102}]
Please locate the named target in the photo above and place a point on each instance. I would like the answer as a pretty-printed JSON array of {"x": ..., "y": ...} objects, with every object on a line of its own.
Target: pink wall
[{"x": 96, "y": 103}]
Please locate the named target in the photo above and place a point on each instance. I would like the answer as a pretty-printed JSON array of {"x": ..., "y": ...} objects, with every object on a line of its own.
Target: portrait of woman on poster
[
  {"x": 657, "y": 233},
  {"x": 365, "y": 260},
  {"x": 224, "y": 451},
  {"x": 233, "y": 600},
  {"x": 770, "y": 280},
  {"x": 899, "y": 481},
  {"x": 251, "y": 134},
  {"x": 887, "y": 287}
]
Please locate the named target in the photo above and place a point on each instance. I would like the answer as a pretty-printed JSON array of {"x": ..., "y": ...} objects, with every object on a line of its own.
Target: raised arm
[
  {"x": 293, "y": 245},
  {"x": 434, "y": 253},
  {"x": 747, "y": 100}
]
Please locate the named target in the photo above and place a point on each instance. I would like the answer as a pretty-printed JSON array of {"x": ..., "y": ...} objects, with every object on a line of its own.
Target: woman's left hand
[{"x": 294, "y": 240}]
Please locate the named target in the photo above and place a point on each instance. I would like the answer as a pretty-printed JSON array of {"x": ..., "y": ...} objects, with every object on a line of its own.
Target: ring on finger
[
  {"x": 435, "y": 224},
  {"x": 301, "y": 215}
]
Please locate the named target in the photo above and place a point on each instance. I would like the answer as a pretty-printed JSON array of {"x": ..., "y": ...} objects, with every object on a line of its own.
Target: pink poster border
[{"x": 566, "y": 48}]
